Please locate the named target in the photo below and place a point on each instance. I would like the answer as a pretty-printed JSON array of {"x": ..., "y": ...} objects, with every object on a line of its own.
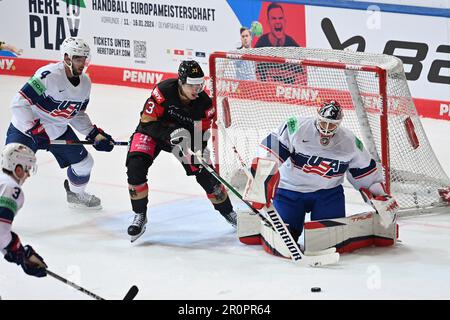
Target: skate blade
[
  {"x": 80, "y": 206},
  {"x": 134, "y": 238}
]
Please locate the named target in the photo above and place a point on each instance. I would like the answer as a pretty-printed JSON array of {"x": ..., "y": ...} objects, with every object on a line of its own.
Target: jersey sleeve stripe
[
  {"x": 8, "y": 203},
  {"x": 6, "y": 215},
  {"x": 30, "y": 94},
  {"x": 272, "y": 143},
  {"x": 84, "y": 105},
  {"x": 25, "y": 97},
  {"x": 363, "y": 172},
  {"x": 271, "y": 151}
]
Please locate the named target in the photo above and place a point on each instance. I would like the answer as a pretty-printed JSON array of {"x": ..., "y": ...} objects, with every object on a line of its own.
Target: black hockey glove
[
  {"x": 31, "y": 263},
  {"x": 181, "y": 116},
  {"x": 101, "y": 141},
  {"x": 39, "y": 135}
]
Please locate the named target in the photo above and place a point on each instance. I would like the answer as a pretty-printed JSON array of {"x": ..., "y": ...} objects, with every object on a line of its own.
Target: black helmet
[
  {"x": 190, "y": 72},
  {"x": 330, "y": 113}
]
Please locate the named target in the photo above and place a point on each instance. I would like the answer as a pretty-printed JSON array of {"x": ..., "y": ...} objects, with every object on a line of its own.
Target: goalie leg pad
[
  {"x": 249, "y": 227},
  {"x": 272, "y": 242},
  {"x": 350, "y": 233}
]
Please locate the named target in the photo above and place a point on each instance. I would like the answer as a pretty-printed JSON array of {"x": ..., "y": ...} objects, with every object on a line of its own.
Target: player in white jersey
[
  {"x": 17, "y": 163},
  {"x": 313, "y": 155},
  {"x": 56, "y": 96}
]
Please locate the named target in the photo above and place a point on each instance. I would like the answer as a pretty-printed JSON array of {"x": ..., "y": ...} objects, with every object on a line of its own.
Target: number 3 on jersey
[
  {"x": 16, "y": 193},
  {"x": 149, "y": 107},
  {"x": 153, "y": 109}
]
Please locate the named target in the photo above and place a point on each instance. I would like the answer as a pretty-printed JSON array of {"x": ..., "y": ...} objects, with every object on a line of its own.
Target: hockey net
[{"x": 256, "y": 90}]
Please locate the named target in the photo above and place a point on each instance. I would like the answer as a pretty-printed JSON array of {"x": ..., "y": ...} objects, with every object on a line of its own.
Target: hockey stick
[
  {"x": 129, "y": 296},
  {"x": 72, "y": 142},
  {"x": 278, "y": 224}
]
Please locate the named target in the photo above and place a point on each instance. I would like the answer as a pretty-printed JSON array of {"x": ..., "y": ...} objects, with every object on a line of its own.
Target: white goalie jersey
[
  {"x": 50, "y": 97},
  {"x": 306, "y": 165}
]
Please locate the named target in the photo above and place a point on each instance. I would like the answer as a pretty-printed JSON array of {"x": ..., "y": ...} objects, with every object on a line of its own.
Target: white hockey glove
[
  {"x": 384, "y": 204},
  {"x": 181, "y": 140}
]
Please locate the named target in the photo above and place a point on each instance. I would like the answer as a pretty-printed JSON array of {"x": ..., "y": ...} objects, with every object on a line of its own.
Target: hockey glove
[
  {"x": 445, "y": 195},
  {"x": 32, "y": 263},
  {"x": 181, "y": 140},
  {"x": 101, "y": 141},
  {"x": 39, "y": 136},
  {"x": 266, "y": 177},
  {"x": 181, "y": 116},
  {"x": 384, "y": 204}
]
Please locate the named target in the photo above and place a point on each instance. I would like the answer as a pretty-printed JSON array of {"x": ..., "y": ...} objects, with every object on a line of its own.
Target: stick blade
[
  {"x": 321, "y": 260},
  {"x": 131, "y": 293}
]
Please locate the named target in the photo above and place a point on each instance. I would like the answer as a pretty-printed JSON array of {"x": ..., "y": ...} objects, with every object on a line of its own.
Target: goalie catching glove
[
  {"x": 383, "y": 203},
  {"x": 261, "y": 189}
]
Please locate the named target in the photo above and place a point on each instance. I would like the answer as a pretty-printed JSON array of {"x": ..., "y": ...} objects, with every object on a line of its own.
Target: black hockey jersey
[{"x": 164, "y": 112}]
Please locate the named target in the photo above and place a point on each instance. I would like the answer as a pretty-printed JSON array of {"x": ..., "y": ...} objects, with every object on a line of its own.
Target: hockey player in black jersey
[{"x": 176, "y": 117}]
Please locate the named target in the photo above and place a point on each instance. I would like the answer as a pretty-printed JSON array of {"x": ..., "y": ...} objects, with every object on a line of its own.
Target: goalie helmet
[
  {"x": 329, "y": 116},
  {"x": 74, "y": 46},
  {"x": 16, "y": 154},
  {"x": 190, "y": 72}
]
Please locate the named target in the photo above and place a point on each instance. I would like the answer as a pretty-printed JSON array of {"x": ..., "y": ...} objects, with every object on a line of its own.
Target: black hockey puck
[{"x": 316, "y": 289}]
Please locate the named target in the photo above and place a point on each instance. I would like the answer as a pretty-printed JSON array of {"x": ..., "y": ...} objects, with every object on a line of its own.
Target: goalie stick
[
  {"x": 72, "y": 142},
  {"x": 132, "y": 292},
  {"x": 278, "y": 224}
]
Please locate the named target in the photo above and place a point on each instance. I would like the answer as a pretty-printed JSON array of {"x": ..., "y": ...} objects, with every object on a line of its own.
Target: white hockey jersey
[
  {"x": 50, "y": 97},
  {"x": 307, "y": 166},
  {"x": 11, "y": 201}
]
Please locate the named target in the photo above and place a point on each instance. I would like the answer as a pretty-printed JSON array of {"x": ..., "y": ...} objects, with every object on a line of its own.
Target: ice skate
[
  {"x": 137, "y": 228},
  {"x": 81, "y": 200},
  {"x": 231, "y": 218}
]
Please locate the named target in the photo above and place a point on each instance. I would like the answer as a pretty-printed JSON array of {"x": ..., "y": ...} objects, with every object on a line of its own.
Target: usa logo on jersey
[
  {"x": 67, "y": 109},
  {"x": 327, "y": 168}
]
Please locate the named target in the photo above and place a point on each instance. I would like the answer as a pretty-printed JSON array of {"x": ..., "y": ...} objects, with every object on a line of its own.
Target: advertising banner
[{"x": 143, "y": 41}]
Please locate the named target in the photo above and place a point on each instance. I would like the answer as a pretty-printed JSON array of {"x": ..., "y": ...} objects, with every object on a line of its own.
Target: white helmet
[
  {"x": 74, "y": 46},
  {"x": 15, "y": 154},
  {"x": 329, "y": 117}
]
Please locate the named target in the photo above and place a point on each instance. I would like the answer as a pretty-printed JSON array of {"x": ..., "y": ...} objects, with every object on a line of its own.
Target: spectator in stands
[
  {"x": 10, "y": 47},
  {"x": 246, "y": 38}
]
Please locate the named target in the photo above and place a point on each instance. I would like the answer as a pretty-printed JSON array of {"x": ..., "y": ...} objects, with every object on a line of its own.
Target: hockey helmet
[
  {"x": 190, "y": 72},
  {"x": 74, "y": 46},
  {"x": 329, "y": 116},
  {"x": 15, "y": 154}
]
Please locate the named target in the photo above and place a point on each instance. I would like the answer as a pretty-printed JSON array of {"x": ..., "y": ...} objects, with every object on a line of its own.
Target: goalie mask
[
  {"x": 329, "y": 116},
  {"x": 191, "y": 76},
  {"x": 16, "y": 154},
  {"x": 79, "y": 54}
]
